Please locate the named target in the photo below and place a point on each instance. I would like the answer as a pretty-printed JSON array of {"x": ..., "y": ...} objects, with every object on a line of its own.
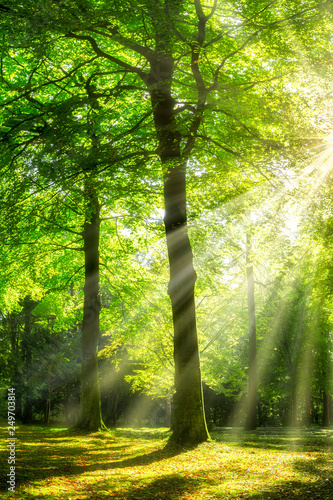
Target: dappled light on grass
[{"x": 134, "y": 464}]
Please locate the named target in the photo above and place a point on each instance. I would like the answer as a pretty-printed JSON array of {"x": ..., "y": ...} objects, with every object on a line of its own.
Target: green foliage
[{"x": 75, "y": 105}]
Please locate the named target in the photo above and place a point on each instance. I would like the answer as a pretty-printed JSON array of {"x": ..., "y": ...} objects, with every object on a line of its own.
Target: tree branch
[
  {"x": 217, "y": 110},
  {"x": 218, "y": 334},
  {"x": 49, "y": 82},
  {"x": 125, "y": 42},
  {"x": 67, "y": 282},
  {"x": 231, "y": 54},
  {"x": 100, "y": 53},
  {"x": 67, "y": 247},
  {"x": 236, "y": 155},
  {"x": 135, "y": 127}
]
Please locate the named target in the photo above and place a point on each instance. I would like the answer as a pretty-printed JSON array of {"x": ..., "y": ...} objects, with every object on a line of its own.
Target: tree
[
  {"x": 251, "y": 421},
  {"x": 159, "y": 43},
  {"x": 57, "y": 133},
  {"x": 90, "y": 416}
]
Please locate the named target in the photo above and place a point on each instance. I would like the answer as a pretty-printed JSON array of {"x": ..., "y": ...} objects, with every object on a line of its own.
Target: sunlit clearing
[{"x": 133, "y": 464}]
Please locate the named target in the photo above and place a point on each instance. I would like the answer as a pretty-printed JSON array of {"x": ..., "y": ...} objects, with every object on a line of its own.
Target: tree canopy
[{"x": 212, "y": 120}]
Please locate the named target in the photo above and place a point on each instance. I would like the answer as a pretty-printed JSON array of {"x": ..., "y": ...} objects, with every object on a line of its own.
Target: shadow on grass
[
  {"x": 265, "y": 445},
  {"x": 170, "y": 487},
  {"x": 41, "y": 455},
  {"x": 322, "y": 488},
  {"x": 317, "y": 490},
  {"x": 140, "y": 460},
  {"x": 149, "y": 433},
  {"x": 46, "y": 453},
  {"x": 320, "y": 467}
]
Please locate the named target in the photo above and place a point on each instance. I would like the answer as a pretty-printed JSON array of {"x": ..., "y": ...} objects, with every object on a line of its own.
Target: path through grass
[{"x": 56, "y": 464}]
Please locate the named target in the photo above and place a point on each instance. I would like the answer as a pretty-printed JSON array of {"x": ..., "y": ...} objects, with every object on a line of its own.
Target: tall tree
[
  {"x": 157, "y": 43},
  {"x": 67, "y": 166},
  {"x": 251, "y": 418},
  {"x": 90, "y": 417}
]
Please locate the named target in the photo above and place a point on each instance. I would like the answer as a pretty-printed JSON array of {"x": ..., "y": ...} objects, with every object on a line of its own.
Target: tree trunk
[
  {"x": 47, "y": 410},
  {"x": 188, "y": 418},
  {"x": 90, "y": 417},
  {"x": 28, "y": 306},
  {"x": 48, "y": 401},
  {"x": 251, "y": 418},
  {"x": 27, "y": 411},
  {"x": 326, "y": 412},
  {"x": 294, "y": 405}
]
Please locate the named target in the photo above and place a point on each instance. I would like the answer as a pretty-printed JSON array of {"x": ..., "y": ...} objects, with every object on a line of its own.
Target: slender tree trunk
[
  {"x": 48, "y": 400},
  {"x": 14, "y": 339},
  {"x": 251, "y": 418},
  {"x": 294, "y": 405},
  {"x": 90, "y": 417},
  {"x": 28, "y": 306},
  {"x": 326, "y": 413},
  {"x": 188, "y": 418},
  {"x": 48, "y": 410}
]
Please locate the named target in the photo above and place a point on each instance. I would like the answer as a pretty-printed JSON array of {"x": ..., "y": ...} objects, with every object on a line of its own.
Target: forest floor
[{"x": 53, "y": 463}]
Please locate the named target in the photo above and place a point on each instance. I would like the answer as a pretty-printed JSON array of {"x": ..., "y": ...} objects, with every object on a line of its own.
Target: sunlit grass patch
[{"x": 133, "y": 464}]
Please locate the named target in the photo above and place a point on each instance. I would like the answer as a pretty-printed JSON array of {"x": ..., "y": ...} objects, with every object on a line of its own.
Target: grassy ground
[{"x": 53, "y": 463}]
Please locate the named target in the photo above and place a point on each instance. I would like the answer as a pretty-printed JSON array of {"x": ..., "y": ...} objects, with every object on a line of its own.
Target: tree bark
[
  {"x": 90, "y": 417},
  {"x": 251, "y": 418},
  {"x": 48, "y": 402},
  {"x": 28, "y": 306},
  {"x": 326, "y": 410},
  {"x": 188, "y": 417},
  {"x": 294, "y": 405}
]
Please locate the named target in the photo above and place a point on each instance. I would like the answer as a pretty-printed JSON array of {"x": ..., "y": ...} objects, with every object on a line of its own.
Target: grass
[{"x": 54, "y": 463}]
